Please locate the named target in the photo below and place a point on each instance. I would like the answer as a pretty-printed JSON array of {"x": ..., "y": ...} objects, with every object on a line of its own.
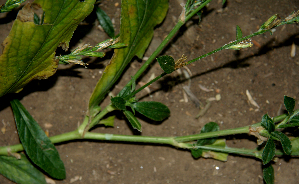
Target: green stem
[
  {"x": 55, "y": 139},
  {"x": 165, "y": 42},
  {"x": 226, "y": 46},
  {"x": 219, "y": 133},
  {"x": 144, "y": 86},
  {"x": 130, "y": 138},
  {"x": 240, "y": 151},
  {"x": 282, "y": 123},
  {"x": 173, "y": 141},
  {"x": 99, "y": 116}
]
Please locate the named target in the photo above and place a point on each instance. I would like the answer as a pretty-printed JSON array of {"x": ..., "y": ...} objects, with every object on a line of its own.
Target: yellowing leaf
[
  {"x": 138, "y": 19},
  {"x": 30, "y": 49}
]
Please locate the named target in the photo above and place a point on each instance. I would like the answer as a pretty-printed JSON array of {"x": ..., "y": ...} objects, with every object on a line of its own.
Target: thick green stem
[
  {"x": 240, "y": 130},
  {"x": 219, "y": 133},
  {"x": 240, "y": 151},
  {"x": 55, "y": 139},
  {"x": 130, "y": 138},
  {"x": 173, "y": 141}
]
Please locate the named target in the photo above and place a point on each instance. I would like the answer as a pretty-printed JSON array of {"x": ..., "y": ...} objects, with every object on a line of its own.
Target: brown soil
[{"x": 266, "y": 70}]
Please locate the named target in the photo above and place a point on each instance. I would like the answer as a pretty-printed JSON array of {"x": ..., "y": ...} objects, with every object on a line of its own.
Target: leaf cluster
[
  {"x": 153, "y": 110},
  {"x": 273, "y": 134}
]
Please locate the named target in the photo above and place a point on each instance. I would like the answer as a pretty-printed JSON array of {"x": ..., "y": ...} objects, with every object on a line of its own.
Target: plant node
[{"x": 180, "y": 62}]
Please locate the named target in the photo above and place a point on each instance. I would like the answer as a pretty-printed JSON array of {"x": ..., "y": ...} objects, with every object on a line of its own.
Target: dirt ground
[{"x": 266, "y": 70}]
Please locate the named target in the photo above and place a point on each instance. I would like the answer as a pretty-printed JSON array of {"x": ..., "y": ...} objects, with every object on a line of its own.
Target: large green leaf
[
  {"x": 138, "y": 19},
  {"x": 30, "y": 49},
  {"x": 36, "y": 144},
  {"x": 153, "y": 110},
  {"x": 20, "y": 170}
]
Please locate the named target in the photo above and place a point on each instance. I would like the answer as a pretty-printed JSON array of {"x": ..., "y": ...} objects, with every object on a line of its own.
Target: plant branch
[
  {"x": 240, "y": 130},
  {"x": 99, "y": 116},
  {"x": 227, "y": 46},
  {"x": 165, "y": 42},
  {"x": 173, "y": 141},
  {"x": 144, "y": 86}
]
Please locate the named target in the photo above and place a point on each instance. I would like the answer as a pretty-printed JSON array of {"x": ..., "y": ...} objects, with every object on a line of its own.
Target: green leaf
[
  {"x": 119, "y": 103},
  {"x": 138, "y": 19},
  {"x": 268, "y": 174},
  {"x": 10, "y": 5},
  {"x": 223, "y": 2},
  {"x": 133, "y": 120},
  {"x": 268, "y": 152},
  {"x": 126, "y": 91},
  {"x": 238, "y": 32},
  {"x": 216, "y": 155},
  {"x": 36, "y": 19},
  {"x": 30, "y": 49},
  {"x": 268, "y": 123},
  {"x": 108, "y": 121},
  {"x": 36, "y": 144},
  {"x": 285, "y": 141},
  {"x": 289, "y": 103},
  {"x": 209, "y": 127},
  {"x": 153, "y": 110},
  {"x": 20, "y": 170},
  {"x": 105, "y": 21},
  {"x": 118, "y": 46},
  {"x": 196, "y": 153},
  {"x": 167, "y": 63}
]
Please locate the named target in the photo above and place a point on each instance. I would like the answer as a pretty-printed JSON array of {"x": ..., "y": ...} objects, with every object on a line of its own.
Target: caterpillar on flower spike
[
  {"x": 107, "y": 43},
  {"x": 241, "y": 45}
]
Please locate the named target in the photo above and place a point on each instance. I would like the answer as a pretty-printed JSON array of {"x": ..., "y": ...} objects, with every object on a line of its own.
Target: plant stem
[
  {"x": 173, "y": 141},
  {"x": 240, "y": 151},
  {"x": 219, "y": 133},
  {"x": 55, "y": 139},
  {"x": 226, "y": 46},
  {"x": 130, "y": 138},
  {"x": 99, "y": 116},
  {"x": 165, "y": 42},
  {"x": 144, "y": 86}
]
